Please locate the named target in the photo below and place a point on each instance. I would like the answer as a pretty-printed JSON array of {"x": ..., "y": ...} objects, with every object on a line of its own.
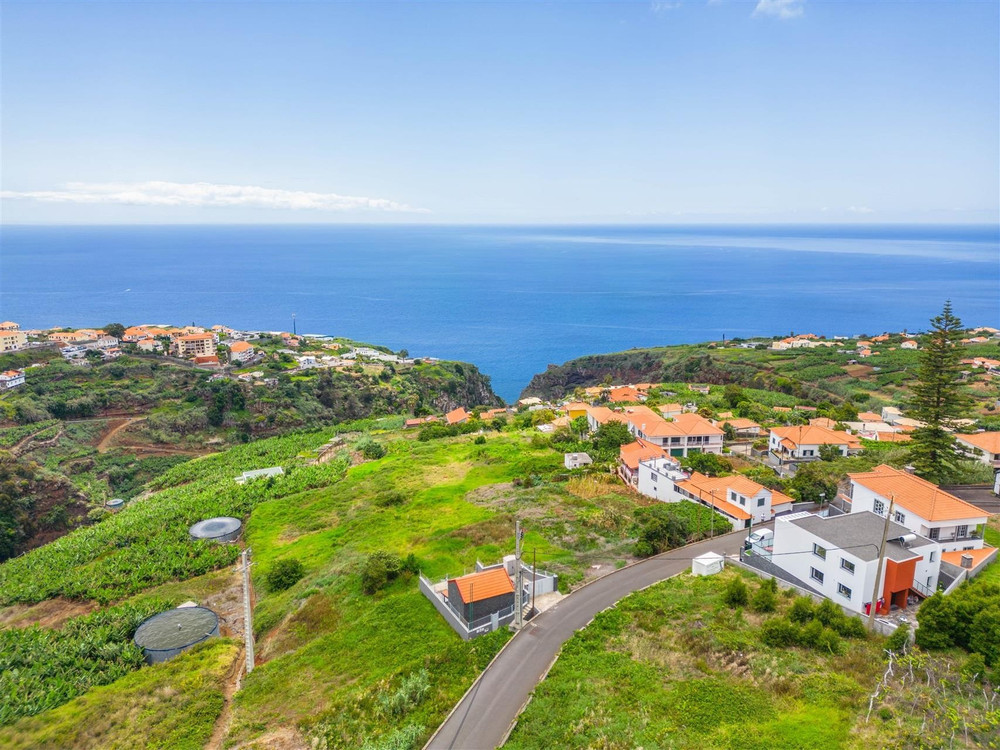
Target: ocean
[{"x": 510, "y": 299}]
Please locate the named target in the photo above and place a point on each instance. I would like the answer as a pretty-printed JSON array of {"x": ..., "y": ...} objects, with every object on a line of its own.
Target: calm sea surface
[{"x": 509, "y": 299}]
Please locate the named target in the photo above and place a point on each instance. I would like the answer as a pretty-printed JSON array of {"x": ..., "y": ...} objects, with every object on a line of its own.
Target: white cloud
[
  {"x": 783, "y": 9},
  {"x": 662, "y": 6},
  {"x": 206, "y": 194},
  {"x": 860, "y": 210}
]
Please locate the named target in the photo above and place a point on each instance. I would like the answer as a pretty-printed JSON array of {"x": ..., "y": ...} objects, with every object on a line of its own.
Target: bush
[
  {"x": 766, "y": 597},
  {"x": 388, "y": 499},
  {"x": 802, "y": 610},
  {"x": 412, "y": 691},
  {"x": 974, "y": 668},
  {"x": 898, "y": 639},
  {"x": 284, "y": 574},
  {"x": 736, "y": 593},
  {"x": 780, "y": 632},
  {"x": 381, "y": 568},
  {"x": 480, "y": 440},
  {"x": 370, "y": 448}
]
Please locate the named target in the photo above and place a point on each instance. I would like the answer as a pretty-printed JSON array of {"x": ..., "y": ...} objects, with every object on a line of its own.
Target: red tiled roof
[
  {"x": 917, "y": 495},
  {"x": 486, "y": 584}
]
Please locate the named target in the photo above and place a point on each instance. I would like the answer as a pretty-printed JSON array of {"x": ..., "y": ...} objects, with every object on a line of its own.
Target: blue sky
[{"x": 672, "y": 112}]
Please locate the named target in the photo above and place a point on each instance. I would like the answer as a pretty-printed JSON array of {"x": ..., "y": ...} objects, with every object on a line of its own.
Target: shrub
[
  {"x": 381, "y": 568},
  {"x": 284, "y": 574},
  {"x": 850, "y": 627},
  {"x": 974, "y": 668},
  {"x": 413, "y": 689},
  {"x": 480, "y": 440},
  {"x": 766, "y": 597},
  {"x": 387, "y": 499},
  {"x": 898, "y": 639},
  {"x": 779, "y": 632},
  {"x": 370, "y": 448},
  {"x": 736, "y": 593},
  {"x": 801, "y": 610}
]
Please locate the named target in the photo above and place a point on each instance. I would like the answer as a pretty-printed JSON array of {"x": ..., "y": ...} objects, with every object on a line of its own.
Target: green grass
[{"x": 173, "y": 706}]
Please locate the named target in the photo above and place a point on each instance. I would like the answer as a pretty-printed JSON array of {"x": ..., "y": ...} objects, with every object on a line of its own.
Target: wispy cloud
[
  {"x": 662, "y": 6},
  {"x": 206, "y": 194},
  {"x": 783, "y": 9},
  {"x": 860, "y": 210}
]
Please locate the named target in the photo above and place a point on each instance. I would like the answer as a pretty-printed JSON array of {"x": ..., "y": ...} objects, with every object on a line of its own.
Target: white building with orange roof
[
  {"x": 742, "y": 426},
  {"x": 598, "y": 415},
  {"x": 575, "y": 409},
  {"x": 241, "y": 351},
  {"x": 68, "y": 337},
  {"x": 11, "y": 379},
  {"x": 738, "y": 497},
  {"x": 685, "y": 434},
  {"x": 802, "y": 442},
  {"x": 920, "y": 506},
  {"x": 670, "y": 410},
  {"x": 909, "y": 344},
  {"x": 625, "y": 394},
  {"x": 985, "y": 446},
  {"x": 631, "y": 455},
  {"x": 9, "y": 325}
]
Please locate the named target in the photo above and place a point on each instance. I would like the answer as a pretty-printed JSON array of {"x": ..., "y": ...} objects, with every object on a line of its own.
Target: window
[
  {"x": 816, "y": 575},
  {"x": 847, "y": 565},
  {"x": 899, "y": 517},
  {"x": 929, "y": 579},
  {"x": 843, "y": 590},
  {"x": 933, "y": 556},
  {"x": 935, "y": 533},
  {"x": 819, "y": 551},
  {"x": 879, "y": 507},
  {"x": 961, "y": 532},
  {"x": 760, "y": 502},
  {"x": 743, "y": 500},
  {"x": 807, "y": 453}
]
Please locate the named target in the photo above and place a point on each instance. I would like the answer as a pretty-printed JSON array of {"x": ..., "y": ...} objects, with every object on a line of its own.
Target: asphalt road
[{"x": 486, "y": 713}]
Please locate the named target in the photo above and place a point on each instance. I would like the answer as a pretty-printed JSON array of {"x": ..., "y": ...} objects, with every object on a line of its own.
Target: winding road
[{"x": 487, "y": 712}]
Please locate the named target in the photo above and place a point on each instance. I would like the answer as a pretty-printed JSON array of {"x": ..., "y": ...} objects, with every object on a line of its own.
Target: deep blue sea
[{"x": 510, "y": 299}]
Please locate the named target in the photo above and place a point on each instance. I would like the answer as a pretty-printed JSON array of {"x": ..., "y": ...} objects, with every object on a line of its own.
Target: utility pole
[
  {"x": 294, "y": 332},
  {"x": 711, "y": 534},
  {"x": 518, "y": 604},
  {"x": 247, "y": 613},
  {"x": 881, "y": 560}
]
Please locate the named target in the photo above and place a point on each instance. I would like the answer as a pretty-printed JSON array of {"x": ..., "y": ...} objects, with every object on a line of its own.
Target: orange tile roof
[
  {"x": 632, "y": 453},
  {"x": 823, "y": 422},
  {"x": 11, "y": 373},
  {"x": 781, "y": 408},
  {"x": 240, "y": 346},
  {"x": 196, "y": 337},
  {"x": 813, "y": 434},
  {"x": 986, "y": 441},
  {"x": 670, "y": 408},
  {"x": 623, "y": 394},
  {"x": 486, "y": 584},
  {"x": 869, "y": 416},
  {"x": 725, "y": 415},
  {"x": 917, "y": 495},
  {"x": 603, "y": 415},
  {"x": 740, "y": 423},
  {"x": 456, "y": 415},
  {"x": 702, "y": 487},
  {"x": 653, "y": 425},
  {"x": 978, "y": 556}
]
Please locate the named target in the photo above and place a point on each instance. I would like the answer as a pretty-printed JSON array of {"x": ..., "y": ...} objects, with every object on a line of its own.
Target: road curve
[{"x": 483, "y": 717}]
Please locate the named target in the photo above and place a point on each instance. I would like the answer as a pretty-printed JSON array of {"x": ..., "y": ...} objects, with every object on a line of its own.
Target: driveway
[{"x": 484, "y": 716}]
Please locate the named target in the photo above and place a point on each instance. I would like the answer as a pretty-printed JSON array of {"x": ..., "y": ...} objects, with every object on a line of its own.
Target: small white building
[
  {"x": 708, "y": 564},
  {"x": 837, "y": 556},
  {"x": 920, "y": 506},
  {"x": 984, "y": 446},
  {"x": 11, "y": 379},
  {"x": 107, "y": 342},
  {"x": 577, "y": 460},
  {"x": 802, "y": 442}
]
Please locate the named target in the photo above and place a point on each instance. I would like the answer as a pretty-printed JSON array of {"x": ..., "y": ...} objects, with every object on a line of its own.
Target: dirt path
[
  {"x": 102, "y": 447},
  {"x": 229, "y": 688}
]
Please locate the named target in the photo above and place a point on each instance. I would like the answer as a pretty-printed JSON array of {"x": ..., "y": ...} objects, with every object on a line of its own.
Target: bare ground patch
[{"x": 51, "y": 613}]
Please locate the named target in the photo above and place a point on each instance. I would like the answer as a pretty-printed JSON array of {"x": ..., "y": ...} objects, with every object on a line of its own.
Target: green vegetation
[
  {"x": 284, "y": 574},
  {"x": 41, "y": 668},
  {"x": 968, "y": 618},
  {"x": 169, "y": 705},
  {"x": 676, "y": 666},
  {"x": 938, "y": 399}
]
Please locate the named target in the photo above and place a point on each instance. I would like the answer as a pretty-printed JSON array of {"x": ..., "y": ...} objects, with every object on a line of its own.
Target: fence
[{"x": 467, "y": 631}]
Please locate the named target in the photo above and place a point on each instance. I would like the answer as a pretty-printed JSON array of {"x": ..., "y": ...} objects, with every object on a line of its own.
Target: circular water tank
[
  {"x": 165, "y": 635},
  {"x": 115, "y": 504},
  {"x": 221, "y": 529}
]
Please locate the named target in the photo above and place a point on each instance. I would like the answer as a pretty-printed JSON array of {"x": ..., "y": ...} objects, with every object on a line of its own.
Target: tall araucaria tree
[{"x": 938, "y": 399}]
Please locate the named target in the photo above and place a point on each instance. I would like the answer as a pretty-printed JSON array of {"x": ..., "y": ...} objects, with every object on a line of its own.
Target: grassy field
[
  {"x": 674, "y": 667},
  {"x": 333, "y": 660}
]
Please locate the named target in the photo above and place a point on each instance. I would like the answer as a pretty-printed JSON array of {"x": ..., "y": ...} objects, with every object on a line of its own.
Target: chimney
[
  {"x": 967, "y": 562},
  {"x": 910, "y": 469}
]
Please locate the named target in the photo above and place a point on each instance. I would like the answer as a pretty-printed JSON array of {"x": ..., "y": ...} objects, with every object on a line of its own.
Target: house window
[
  {"x": 847, "y": 565},
  {"x": 899, "y": 517},
  {"x": 934, "y": 533},
  {"x": 807, "y": 453},
  {"x": 843, "y": 590},
  {"x": 961, "y": 531},
  {"x": 929, "y": 579},
  {"x": 933, "y": 556},
  {"x": 879, "y": 507},
  {"x": 819, "y": 551},
  {"x": 743, "y": 500},
  {"x": 816, "y": 575},
  {"x": 760, "y": 502}
]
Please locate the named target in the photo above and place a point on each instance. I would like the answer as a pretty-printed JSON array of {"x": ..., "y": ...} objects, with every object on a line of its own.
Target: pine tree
[{"x": 938, "y": 399}]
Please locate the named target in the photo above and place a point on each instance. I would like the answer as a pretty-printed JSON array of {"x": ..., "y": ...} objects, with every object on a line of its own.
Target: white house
[
  {"x": 106, "y": 342},
  {"x": 920, "y": 506},
  {"x": 802, "y": 442},
  {"x": 241, "y": 351},
  {"x": 11, "y": 379},
  {"x": 910, "y": 344},
  {"x": 684, "y": 434},
  {"x": 985, "y": 446},
  {"x": 837, "y": 556},
  {"x": 577, "y": 460},
  {"x": 148, "y": 345},
  {"x": 737, "y": 496},
  {"x": 657, "y": 478}
]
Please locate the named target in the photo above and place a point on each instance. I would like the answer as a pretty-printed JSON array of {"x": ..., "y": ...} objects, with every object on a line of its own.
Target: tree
[
  {"x": 580, "y": 426},
  {"x": 610, "y": 436},
  {"x": 115, "y": 329},
  {"x": 733, "y": 395},
  {"x": 938, "y": 399},
  {"x": 284, "y": 574},
  {"x": 829, "y": 452}
]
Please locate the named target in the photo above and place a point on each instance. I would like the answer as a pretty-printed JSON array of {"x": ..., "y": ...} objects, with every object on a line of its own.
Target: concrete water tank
[
  {"x": 165, "y": 635},
  {"x": 115, "y": 504},
  {"x": 221, "y": 529}
]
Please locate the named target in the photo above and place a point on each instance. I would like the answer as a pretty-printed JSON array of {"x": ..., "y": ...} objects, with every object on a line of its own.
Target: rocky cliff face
[{"x": 640, "y": 366}]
